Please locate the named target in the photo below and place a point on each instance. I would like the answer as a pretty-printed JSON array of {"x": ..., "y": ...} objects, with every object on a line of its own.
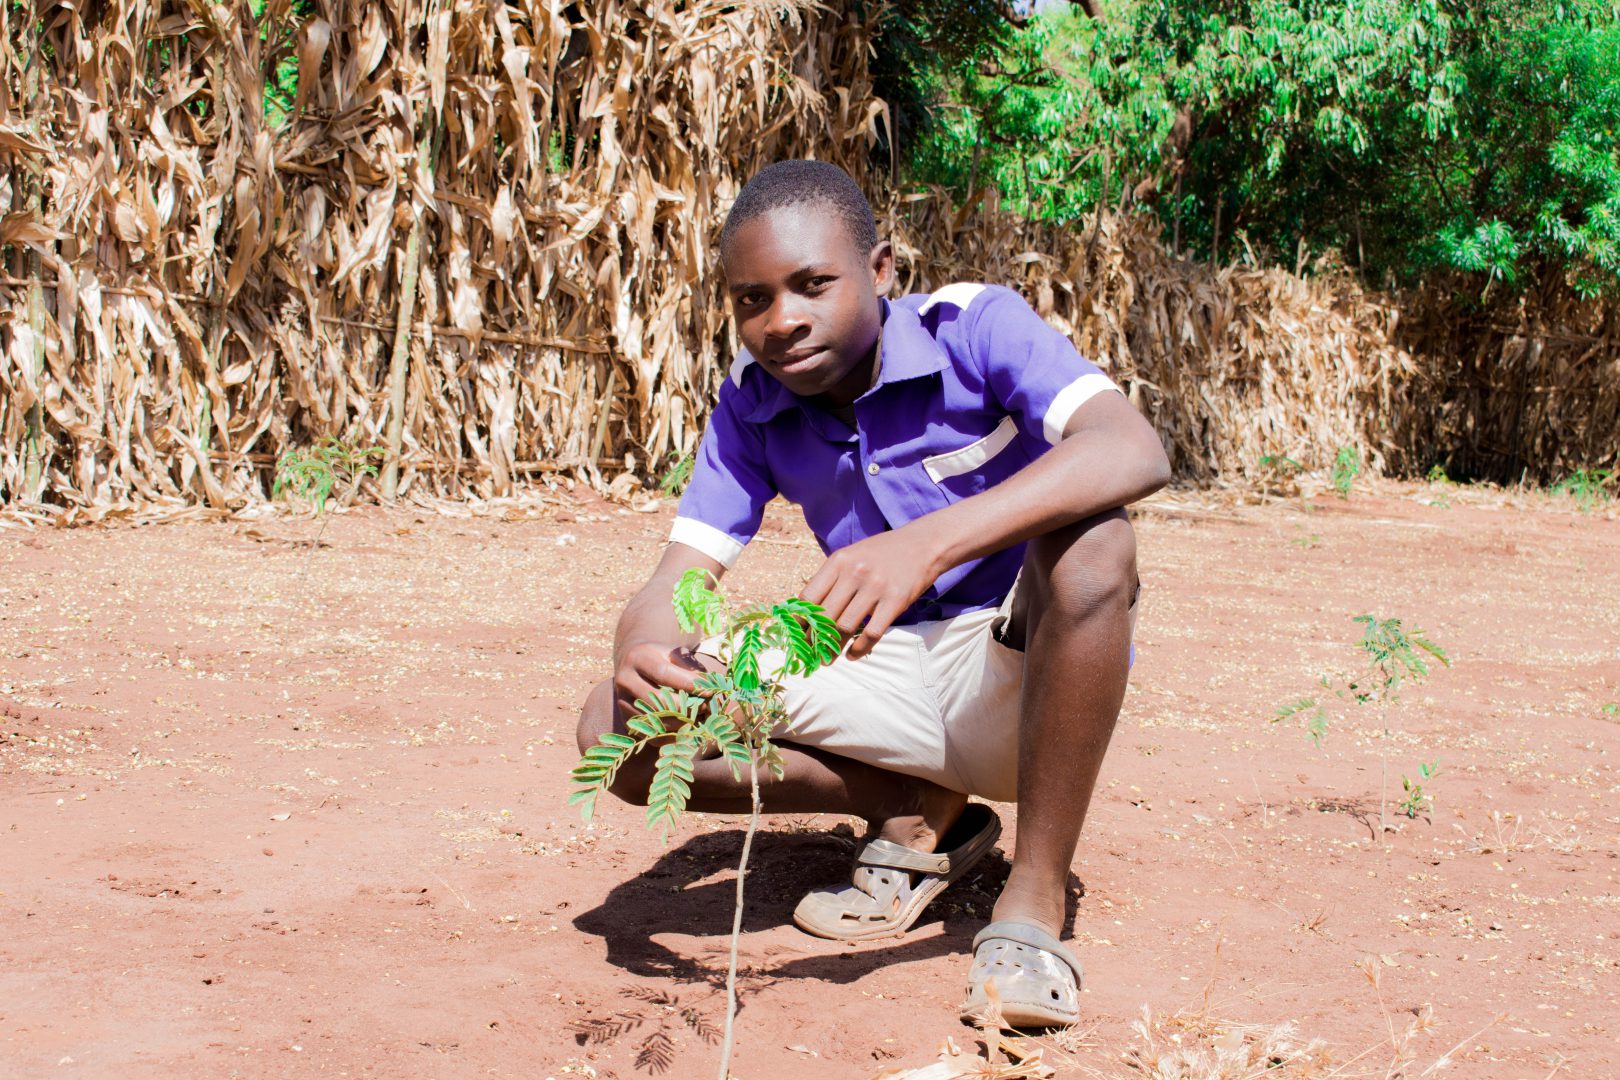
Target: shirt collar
[{"x": 906, "y": 350}]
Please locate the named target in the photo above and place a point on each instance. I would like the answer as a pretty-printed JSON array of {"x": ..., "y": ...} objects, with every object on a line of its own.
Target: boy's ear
[{"x": 882, "y": 261}]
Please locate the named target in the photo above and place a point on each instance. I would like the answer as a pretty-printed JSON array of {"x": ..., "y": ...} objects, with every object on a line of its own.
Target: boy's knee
[
  {"x": 1089, "y": 567},
  {"x": 595, "y": 720}
]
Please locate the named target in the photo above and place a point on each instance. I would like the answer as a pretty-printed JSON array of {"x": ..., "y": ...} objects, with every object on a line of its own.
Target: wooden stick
[
  {"x": 606, "y": 411},
  {"x": 398, "y": 363},
  {"x": 34, "y": 199}
]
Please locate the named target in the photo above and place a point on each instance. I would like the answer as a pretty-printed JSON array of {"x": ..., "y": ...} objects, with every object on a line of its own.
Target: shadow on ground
[{"x": 691, "y": 890}]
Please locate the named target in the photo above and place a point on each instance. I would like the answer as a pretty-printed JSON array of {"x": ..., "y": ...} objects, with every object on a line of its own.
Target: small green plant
[
  {"x": 1279, "y": 463},
  {"x": 1588, "y": 487},
  {"x": 735, "y": 711},
  {"x": 1346, "y": 467},
  {"x": 312, "y": 473},
  {"x": 1306, "y": 540},
  {"x": 1394, "y": 656},
  {"x": 1279, "y": 474},
  {"x": 1611, "y": 709},
  {"x": 1417, "y": 800},
  {"x": 678, "y": 475},
  {"x": 1438, "y": 478}
]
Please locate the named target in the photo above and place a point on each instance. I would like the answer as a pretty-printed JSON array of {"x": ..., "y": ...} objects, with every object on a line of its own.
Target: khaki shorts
[{"x": 938, "y": 700}]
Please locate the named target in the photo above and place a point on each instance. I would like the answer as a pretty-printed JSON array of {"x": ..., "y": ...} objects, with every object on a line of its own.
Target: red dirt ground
[{"x": 258, "y": 824}]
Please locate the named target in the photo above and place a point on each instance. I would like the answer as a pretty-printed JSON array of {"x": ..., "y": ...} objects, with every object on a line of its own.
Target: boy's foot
[
  {"x": 1037, "y": 978},
  {"x": 927, "y": 813},
  {"x": 893, "y": 883}
]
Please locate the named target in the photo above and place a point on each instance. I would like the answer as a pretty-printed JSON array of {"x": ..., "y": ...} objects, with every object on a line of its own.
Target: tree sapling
[
  {"x": 312, "y": 473},
  {"x": 735, "y": 711},
  {"x": 1393, "y": 656},
  {"x": 1346, "y": 467}
]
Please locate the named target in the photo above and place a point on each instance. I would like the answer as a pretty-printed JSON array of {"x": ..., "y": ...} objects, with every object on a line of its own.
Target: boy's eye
[{"x": 817, "y": 283}]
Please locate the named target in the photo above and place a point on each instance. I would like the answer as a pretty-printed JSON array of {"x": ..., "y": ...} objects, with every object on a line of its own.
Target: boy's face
[{"x": 806, "y": 300}]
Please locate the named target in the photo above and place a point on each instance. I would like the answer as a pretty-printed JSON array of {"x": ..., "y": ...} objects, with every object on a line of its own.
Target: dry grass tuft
[{"x": 1196, "y": 1046}]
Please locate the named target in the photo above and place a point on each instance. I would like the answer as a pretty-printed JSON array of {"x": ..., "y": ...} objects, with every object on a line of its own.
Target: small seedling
[
  {"x": 1393, "y": 656},
  {"x": 1611, "y": 709},
  {"x": 1346, "y": 467},
  {"x": 1279, "y": 474},
  {"x": 735, "y": 710},
  {"x": 1417, "y": 800},
  {"x": 311, "y": 474},
  {"x": 1588, "y": 487},
  {"x": 1307, "y": 540},
  {"x": 1437, "y": 474},
  {"x": 678, "y": 475}
]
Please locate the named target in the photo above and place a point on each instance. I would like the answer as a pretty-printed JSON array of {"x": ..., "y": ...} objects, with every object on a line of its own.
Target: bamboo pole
[
  {"x": 34, "y": 436},
  {"x": 399, "y": 361},
  {"x": 604, "y": 412},
  {"x": 427, "y": 162},
  {"x": 33, "y": 203},
  {"x": 212, "y": 337}
]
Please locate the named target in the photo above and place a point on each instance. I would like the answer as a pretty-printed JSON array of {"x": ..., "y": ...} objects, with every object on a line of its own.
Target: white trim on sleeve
[
  {"x": 1070, "y": 398},
  {"x": 706, "y": 538},
  {"x": 740, "y": 365},
  {"x": 958, "y": 295}
]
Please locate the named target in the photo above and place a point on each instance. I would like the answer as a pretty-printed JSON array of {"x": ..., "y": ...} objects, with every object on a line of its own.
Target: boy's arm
[
  {"x": 649, "y": 648},
  {"x": 1109, "y": 456}
]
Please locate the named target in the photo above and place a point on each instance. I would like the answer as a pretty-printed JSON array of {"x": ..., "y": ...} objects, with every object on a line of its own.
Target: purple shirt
[{"x": 973, "y": 385}]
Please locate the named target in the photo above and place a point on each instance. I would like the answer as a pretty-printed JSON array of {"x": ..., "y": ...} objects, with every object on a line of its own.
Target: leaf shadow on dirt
[{"x": 676, "y": 895}]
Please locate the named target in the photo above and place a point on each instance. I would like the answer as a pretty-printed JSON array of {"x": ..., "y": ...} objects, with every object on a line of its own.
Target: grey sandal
[
  {"x": 882, "y": 899},
  {"x": 1037, "y": 978}
]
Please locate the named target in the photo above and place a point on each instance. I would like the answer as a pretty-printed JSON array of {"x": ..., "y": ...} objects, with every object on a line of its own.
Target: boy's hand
[
  {"x": 649, "y": 666},
  {"x": 866, "y": 586}
]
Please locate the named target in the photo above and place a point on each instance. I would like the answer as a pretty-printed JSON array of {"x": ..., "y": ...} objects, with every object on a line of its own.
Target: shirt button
[{"x": 872, "y": 469}]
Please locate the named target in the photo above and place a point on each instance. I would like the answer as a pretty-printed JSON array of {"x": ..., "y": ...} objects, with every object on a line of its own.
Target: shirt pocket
[{"x": 981, "y": 464}]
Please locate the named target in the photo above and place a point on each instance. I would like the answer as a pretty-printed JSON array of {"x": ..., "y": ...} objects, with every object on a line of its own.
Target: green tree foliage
[
  {"x": 734, "y": 711},
  {"x": 279, "y": 22},
  {"x": 1411, "y": 135},
  {"x": 1007, "y": 113}
]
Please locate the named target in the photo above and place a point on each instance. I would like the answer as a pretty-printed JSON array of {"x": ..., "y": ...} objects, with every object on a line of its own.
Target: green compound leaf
[
  {"x": 1285, "y": 711},
  {"x": 720, "y": 728},
  {"x": 699, "y": 608},
  {"x": 645, "y": 726},
  {"x": 807, "y": 633},
  {"x": 670, "y": 789},
  {"x": 714, "y": 682},
  {"x": 745, "y": 661},
  {"x": 771, "y": 758},
  {"x": 586, "y": 800}
]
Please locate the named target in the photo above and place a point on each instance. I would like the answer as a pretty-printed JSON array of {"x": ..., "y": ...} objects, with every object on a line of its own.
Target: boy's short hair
[{"x": 794, "y": 183}]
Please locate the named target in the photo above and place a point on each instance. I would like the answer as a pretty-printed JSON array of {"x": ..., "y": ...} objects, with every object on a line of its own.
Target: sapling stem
[
  {"x": 809, "y": 640},
  {"x": 1383, "y": 785},
  {"x": 314, "y": 547},
  {"x": 736, "y": 916}
]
